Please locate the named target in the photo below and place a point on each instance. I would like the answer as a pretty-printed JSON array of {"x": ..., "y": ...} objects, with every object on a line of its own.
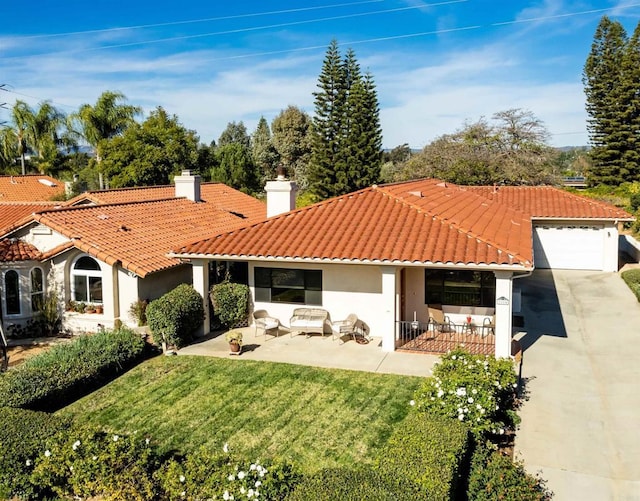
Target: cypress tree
[
  {"x": 602, "y": 78},
  {"x": 631, "y": 97}
]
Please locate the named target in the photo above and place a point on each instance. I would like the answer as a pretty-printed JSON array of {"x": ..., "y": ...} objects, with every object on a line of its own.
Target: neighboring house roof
[
  {"x": 13, "y": 212},
  {"x": 423, "y": 222},
  {"x": 139, "y": 235},
  {"x": 31, "y": 188},
  {"x": 12, "y": 250},
  {"x": 549, "y": 202},
  {"x": 224, "y": 197}
]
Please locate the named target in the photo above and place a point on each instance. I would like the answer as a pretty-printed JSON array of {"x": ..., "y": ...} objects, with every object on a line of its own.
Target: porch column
[
  {"x": 504, "y": 300},
  {"x": 200, "y": 270},
  {"x": 389, "y": 305}
]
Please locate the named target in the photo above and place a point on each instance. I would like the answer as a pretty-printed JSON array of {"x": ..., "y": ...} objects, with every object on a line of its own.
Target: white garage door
[{"x": 568, "y": 247}]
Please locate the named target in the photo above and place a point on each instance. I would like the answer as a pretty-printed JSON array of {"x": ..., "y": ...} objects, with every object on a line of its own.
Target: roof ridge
[
  {"x": 142, "y": 188},
  {"x": 113, "y": 204},
  {"x": 457, "y": 226}
]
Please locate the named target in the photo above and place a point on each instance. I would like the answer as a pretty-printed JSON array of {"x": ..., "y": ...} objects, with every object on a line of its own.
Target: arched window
[
  {"x": 37, "y": 289},
  {"x": 86, "y": 280},
  {"x": 12, "y": 292}
]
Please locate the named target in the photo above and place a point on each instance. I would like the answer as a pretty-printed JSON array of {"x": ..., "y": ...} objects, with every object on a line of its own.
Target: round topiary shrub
[
  {"x": 174, "y": 317},
  {"x": 231, "y": 303}
]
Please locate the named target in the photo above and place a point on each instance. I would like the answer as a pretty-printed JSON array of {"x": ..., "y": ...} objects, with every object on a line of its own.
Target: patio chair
[
  {"x": 489, "y": 325},
  {"x": 269, "y": 325},
  {"x": 438, "y": 321},
  {"x": 349, "y": 326}
]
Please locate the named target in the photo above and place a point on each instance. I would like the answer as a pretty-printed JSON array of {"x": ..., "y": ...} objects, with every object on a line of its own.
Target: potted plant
[
  {"x": 234, "y": 338},
  {"x": 99, "y": 309}
]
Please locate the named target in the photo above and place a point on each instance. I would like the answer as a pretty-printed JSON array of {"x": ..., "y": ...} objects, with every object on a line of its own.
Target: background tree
[
  {"x": 347, "y": 138},
  {"x": 150, "y": 153},
  {"x": 263, "y": 152},
  {"x": 612, "y": 82},
  {"x": 235, "y": 133},
  {"x": 8, "y": 150},
  {"x": 511, "y": 150},
  {"x": 235, "y": 168},
  {"x": 109, "y": 118},
  {"x": 292, "y": 141}
]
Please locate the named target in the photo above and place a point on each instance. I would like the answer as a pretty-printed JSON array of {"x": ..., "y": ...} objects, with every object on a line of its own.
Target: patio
[{"x": 315, "y": 350}]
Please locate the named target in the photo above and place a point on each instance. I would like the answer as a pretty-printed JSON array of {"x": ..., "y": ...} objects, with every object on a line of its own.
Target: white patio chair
[{"x": 269, "y": 325}]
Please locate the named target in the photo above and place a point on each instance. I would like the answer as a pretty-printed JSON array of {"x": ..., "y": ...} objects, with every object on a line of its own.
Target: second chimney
[{"x": 188, "y": 186}]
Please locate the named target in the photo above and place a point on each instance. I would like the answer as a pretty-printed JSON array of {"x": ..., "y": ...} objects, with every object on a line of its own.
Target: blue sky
[{"x": 436, "y": 64}]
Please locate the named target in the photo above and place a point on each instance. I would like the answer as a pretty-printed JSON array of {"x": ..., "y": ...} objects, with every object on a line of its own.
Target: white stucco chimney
[
  {"x": 281, "y": 195},
  {"x": 188, "y": 185}
]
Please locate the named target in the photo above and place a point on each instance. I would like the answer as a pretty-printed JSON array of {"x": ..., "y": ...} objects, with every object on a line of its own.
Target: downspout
[{"x": 115, "y": 290}]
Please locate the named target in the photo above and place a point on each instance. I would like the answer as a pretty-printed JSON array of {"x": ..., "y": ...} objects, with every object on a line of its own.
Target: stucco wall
[
  {"x": 155, "y": 285},
  {"x": 42, "y": 237}
]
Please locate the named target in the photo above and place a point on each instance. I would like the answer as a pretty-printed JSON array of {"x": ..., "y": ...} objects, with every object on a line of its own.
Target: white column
[
  {"x": 504, "y": 302},
  {"x": 200, "y": 270},
  {"x": 389, "y": 302}
]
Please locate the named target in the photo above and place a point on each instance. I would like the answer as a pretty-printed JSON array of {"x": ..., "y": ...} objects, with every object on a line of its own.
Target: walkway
[
  {"x": 580, "y": 426},
  {"x": 319, "y": 352}
]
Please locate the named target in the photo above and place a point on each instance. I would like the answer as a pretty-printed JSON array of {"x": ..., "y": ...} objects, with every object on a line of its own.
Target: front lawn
[{"x": 315, "y": 417}]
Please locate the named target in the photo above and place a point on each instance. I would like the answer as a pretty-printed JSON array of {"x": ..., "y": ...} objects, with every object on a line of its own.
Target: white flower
[
  {"x": 461, "y": 417},
  {"x": 241, "y": 475},
  {"x": 474, "y": 391},
  {"x": 47, "y": 453},
  {"x": 440, "y": 393},
  {"x": 226, "y": 496},
  {"x": 225, "y": 448},
  {"x": 515, "y": 385},
  {"x": 183, "y": 493},
  {"x": 231, "y": 477},
  {"x": 75, "y": 445},
  {"x": 252, "y": 467},
  {"x": 251, "y": 493},
  {"x": 146, "y": 441},
  {"x": 258, "y": 483},
  {"x": 461, "y": 392},
  {"x": 453, "y": 357},
  {"x": 71, "y": 468},
  {"x": 470, "y": 400},
  {"x": 412, "y": 402},
  {"x": 28, "y": 462},
  {"x": 501, "y": 431},
  {"x": 95, "y": 458},
  {"x": 182, "y": 479},
  {"x": 115, "y": 438},
  {"x": 242, "y": 490}
]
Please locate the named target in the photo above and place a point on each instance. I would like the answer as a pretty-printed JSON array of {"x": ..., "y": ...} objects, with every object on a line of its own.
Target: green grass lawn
[{"x": 315, "y": 417}]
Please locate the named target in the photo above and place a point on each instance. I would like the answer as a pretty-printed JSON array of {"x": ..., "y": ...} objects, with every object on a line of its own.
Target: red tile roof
[
  {"x": 550, "y": 202},
  {"x": 12, "y": 250},
  {"x": 139, "y": 235},
  {"x": 221, "y": 195},
  {"x": 31, "y": 188},
  {"x": 422, "y": 221},
  {"x": 12, "y": 213}
]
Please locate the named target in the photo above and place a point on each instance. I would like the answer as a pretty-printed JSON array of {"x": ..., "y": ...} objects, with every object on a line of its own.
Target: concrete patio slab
[
  {"x": 580, "y": 424},
  {"x": 316, "y": 351}
]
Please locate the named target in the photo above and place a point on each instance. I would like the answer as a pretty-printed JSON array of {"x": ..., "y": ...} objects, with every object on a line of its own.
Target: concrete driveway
[{"x": 581, "y": 424}]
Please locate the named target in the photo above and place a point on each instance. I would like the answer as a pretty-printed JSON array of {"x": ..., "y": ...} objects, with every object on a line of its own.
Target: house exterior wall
[
  {"x": 40, "y": 236},
  {"x": 156, "y": 284}
]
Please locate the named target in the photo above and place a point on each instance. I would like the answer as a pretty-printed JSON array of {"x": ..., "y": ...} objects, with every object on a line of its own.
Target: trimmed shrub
[
  {"x": 632, "y": 279},
  {"x": 174, "y": 317},
  {"x": 477, "y": 390},
  {"x": 231, "y": 303},
  {"x": 23, "y": 435},
  {"x": 82, "y": 463},
  {"x": 353, "y": 485},
  {"x": 66, "y": 372},
  {"x": 204, "y": 474},
  {"x": 430, "y": 452},
  {"x": 494, "y": 476}
]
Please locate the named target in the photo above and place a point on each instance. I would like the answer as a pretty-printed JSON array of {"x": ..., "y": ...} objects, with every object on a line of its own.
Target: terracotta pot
[
  {"x": 234, "y": 347},
  {"x": 99, "y": 309}
]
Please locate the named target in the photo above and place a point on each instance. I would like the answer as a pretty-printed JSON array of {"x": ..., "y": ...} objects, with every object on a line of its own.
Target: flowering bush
[
  {"x": 84, "y": 463},
  {"x": 477, "y": 390}
]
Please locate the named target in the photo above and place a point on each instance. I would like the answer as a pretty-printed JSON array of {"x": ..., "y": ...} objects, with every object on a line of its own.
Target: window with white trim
[
  {"x": 86, "y": 280},
  {"x": 37, "y": 289},
  {"x": 12, "y": 292},
  {"x": 460, "y": 287},
  {"x": 288, "y": 285}
]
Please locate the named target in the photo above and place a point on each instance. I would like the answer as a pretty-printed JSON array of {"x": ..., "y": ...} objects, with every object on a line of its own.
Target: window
[
  {"x": 37, "y": 289},
  {"x": 283, "y": 285},
  {"x": 460, "y": 288},
  {"x": 86, "y": 281},
  {"x": 12, "y": 292}
]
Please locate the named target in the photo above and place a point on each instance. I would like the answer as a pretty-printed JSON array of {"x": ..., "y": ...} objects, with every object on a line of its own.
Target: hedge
[
  {"x": 495, "y": 476},
  {"x": 174, "y": 317},
  {"x": 352, "y": 485},
  {"x": 23, "y": 435},
  {"x": 431, "y": 452},
  {"x": 632, "y": 279},
  {"x": 66, "y": 372}
]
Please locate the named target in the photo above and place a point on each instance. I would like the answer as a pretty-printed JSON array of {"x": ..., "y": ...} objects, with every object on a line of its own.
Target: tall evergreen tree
[
  {"x": 347, "y": 137},
  {"x": 265, "y": 156},
  {"x": 609, "y": 87},
  {"x": 235, "y": 133}
]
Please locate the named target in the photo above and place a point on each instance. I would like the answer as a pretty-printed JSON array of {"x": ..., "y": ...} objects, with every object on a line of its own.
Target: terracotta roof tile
[
  {"x": 31, "y": 188},
  {"x": 14, "y": 212},
  {"x": 550, "y": 202},
  {"x": 139, "y": 235},
  {"x": 419, "y": 222},
  {"x": 12, "y": 250}
]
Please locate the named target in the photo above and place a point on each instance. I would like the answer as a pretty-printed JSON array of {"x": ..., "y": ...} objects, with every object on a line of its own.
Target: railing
[{"x": 436, "y": 338}]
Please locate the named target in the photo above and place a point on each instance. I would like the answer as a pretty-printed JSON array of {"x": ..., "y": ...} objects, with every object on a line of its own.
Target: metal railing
[{"x": 441, "y": 338}]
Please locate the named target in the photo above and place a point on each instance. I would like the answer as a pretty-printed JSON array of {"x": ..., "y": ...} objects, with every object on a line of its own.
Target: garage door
[{"x": 568, "y": 247}]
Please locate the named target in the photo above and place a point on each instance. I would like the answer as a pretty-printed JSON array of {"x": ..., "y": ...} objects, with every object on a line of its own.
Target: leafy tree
[
  {"x": 235, "y": 168},
  {"x": 511, "y": 150},
  {"x": 611, "y": 80},
  {"x": 347, "y": 139},
  {"x": 150, "y": 153},
  {"x": 235, "y": 133},
  {"x": 292, "y": 141},
  {"x": 263, "y": 152},
  {"x": 8, "y": 149}
]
